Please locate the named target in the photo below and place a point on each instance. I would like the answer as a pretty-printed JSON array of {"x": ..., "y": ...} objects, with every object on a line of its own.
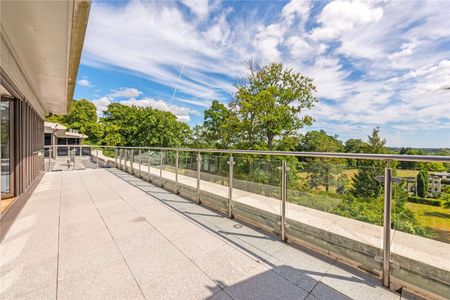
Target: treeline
[{"x": 267, "y": 111}]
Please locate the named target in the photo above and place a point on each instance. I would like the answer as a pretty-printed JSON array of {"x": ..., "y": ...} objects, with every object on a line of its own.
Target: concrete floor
[{"x": 104, "y": 234}]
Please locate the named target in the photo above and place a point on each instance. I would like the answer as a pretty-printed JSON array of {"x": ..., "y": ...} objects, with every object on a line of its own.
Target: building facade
[{"x": 41, "y": 44}]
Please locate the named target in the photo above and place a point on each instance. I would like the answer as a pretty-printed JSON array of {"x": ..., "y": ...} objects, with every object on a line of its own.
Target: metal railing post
[
  {"x": 74, "y": 157},
  {"x": 115, "y": 158},
  {"x": 140, "y": 163},
  {"x": 176, "y": 171},
  {"x": 119, "y": 153},
  {"x": 230, "y": 187},
  {"x": 126, "y": 160},
  {"x": 132, "y": 161},
  {"x": 283, "y": 200},
  {"x": 387, "y": 226},
  {"x": 199, "y": 162},
  {"x": 161, "y": 155},
  {"x": 50, "y": 153},
  {"x": 149, "y": 162}
]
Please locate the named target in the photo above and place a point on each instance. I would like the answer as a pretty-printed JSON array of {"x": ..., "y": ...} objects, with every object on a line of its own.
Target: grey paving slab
[
  {"x": 227, "y": 266},
  {"x": 302, "y": 266},
  {"x": 111, "y": 282},
  {"x": 118, "y": 241},
  {"x": 265, "y": 285},
  {"x": 162, "y": 270},
  {"x": 222, "y": 295},
  {"x": 27, "y": 278},
  {"x": 324, "y": 292},
  {"x": 46, "y": 292},
  {"x": 84, "y": 259},
  {"x": 356, "y": 284}
]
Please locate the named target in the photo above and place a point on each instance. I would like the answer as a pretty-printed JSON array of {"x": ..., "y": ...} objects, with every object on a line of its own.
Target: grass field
[
  {"x": 436, "y": 219},
  {"x": 407, "y": 173}
]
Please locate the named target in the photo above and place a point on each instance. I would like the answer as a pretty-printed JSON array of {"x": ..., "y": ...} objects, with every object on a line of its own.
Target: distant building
[
  {"x": 442, "y": 175},
  {"x": 57, "y": 134}
]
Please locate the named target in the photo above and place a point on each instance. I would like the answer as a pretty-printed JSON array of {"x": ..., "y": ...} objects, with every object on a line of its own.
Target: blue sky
[{"x": 375, "y": 63}]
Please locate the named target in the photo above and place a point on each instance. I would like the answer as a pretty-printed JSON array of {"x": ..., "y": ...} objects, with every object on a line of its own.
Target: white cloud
[
  {"x": 375, "y": 62},
  {"x": 127, "y": 96},
  {"x": 85, "y": 83},
  {"x": 101, "y": 104},
  {"x": 125, "y": 93},
  {"x": 295, "y": 8},
  {"x": 339, "y": 17},
  {"x": 198, "y": 7}
]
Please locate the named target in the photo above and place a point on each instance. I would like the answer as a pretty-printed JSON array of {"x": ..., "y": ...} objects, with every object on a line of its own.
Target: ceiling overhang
[{"x": 41, "y": 43}]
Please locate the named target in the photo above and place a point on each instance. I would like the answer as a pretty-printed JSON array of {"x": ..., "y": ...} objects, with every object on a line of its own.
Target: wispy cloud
[{"x": 375, "y": 63}]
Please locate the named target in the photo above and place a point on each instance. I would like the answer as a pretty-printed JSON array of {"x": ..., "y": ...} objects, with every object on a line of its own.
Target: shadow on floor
[
  {"x": 270, "y": 285},
  {"x": 287, "y": 272}
]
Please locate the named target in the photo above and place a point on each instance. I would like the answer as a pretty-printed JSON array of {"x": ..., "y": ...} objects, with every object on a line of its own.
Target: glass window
[{"x": 5, "y": 148}]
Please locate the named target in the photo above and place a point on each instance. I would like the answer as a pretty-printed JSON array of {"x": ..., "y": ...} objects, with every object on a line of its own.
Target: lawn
[
  {"x": 407, "y": 173},
  {"x": 436, "y": 219}
]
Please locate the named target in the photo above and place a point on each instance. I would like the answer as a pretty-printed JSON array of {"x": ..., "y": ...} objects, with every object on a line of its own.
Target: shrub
[
  {"x": 422, "y": 183},
  {"x": 426, "y": 201}
]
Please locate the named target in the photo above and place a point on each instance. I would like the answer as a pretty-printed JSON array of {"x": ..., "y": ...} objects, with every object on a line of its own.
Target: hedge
[{"x": 420, "y": 200}]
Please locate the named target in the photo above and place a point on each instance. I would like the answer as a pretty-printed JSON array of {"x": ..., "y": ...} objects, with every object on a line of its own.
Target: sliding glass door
[{"x": 7, "y": 157}]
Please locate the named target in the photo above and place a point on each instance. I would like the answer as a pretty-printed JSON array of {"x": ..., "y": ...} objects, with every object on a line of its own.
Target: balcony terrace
[
  {"x": 105, "y": 234},
  {"x": 134, "y": 230}
]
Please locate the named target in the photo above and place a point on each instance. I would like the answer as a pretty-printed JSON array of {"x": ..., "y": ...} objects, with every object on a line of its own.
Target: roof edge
[{"x": 79, "y": 25}]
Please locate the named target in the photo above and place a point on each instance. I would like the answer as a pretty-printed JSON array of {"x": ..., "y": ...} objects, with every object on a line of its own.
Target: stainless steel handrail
[
  {"x": 365, "y": 156},
  {"x": 385, "y": 260}
]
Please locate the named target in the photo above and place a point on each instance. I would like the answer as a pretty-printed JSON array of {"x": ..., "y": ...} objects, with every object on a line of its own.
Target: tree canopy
[
  {"x": 271, "y": 105},
  {"x": 364, "y": 182},
  {"x": 142, "y": 126},
  {"x": 82, "y": 117}
]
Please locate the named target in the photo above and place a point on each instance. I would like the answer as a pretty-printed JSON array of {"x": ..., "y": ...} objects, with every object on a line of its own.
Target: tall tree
[
  {"x": 422, "y": 183},
  {"x": 322, "y": 171},
  {"x": 364, "y": 182},
  {"x": 271, "y": 104},
  {"x": 218, "y": 128},
  {"x": 354, "y": 146}
]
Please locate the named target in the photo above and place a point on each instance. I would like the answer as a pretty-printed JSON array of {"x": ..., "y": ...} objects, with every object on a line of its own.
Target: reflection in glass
[{"x": 5, "y": 148}]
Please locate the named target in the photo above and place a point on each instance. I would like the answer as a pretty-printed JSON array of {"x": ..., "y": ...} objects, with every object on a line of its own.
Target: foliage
[
  {"x": 433, "y": 166},
  {"x": 322, "y": 171},
  {"x": 217, "y": 130},
  {"x": 371, "y": 210},
  {"x": 269, "y": 104},
  {"x": 142, "y": 126},
  {"x": 409, "y": 165},
  {"x": 354, "y": 146},
  {"x": 422, "y": 183},
  {"x": 82, "y": 117},
  {"x": 426, "y": 201},
  {"x": 364, "y": 182}
]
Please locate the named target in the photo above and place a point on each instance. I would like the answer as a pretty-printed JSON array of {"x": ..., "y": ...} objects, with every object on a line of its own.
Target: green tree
[
  {"x": 218, "y": 128},
  {"x": 354, "y": 146},
  {"x": 409, "y": 165},
  {"x": 365, "y": 184},
  {"x": 271, "y": 104},
  {"x": 82, "y": 117},
  {"x": 143, "y": 126},
  {"x": 422, "y": 183},
  {"x": 322, "y": 171}
]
